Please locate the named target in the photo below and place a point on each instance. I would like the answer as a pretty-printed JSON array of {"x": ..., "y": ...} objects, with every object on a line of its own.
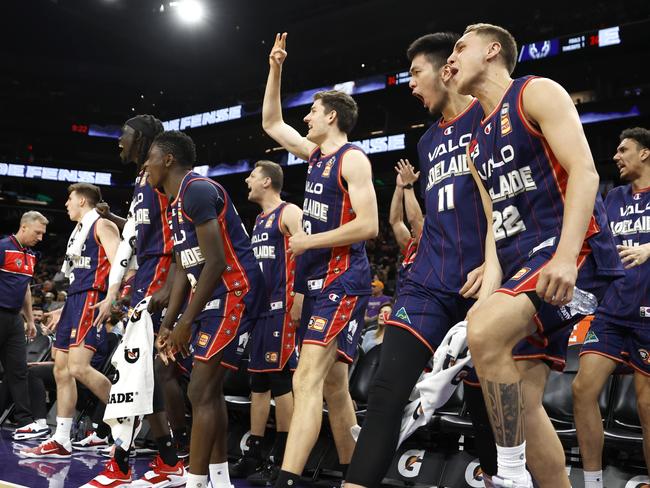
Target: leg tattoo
[{"x": 505, "y": 406}]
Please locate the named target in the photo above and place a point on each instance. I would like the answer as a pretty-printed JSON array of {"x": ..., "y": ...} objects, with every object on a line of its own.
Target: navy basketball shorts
[
  {"x": 149, "y": 278},
  {"x": 334, "y": 315},
  {"x": 75, "y": 326},
  {"x": 273, "y": 344},
  {"x": 627, "y": 345}
]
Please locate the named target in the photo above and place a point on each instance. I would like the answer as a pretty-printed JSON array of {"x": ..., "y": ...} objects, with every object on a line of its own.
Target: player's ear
[
  {"x": 644, "y": 154},
  {"x": 493, "y": 50}
]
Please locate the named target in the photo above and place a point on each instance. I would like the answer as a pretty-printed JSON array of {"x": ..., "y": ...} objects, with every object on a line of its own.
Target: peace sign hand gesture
[{"x": 278, "y": 53}]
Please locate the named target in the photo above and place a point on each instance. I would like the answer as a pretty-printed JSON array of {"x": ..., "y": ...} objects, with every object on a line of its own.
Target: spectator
[
  {"x": 48, "y": 299},
  {"x": 375, "y": 336},
  {"x": 376, "y": 299},
  {"x": 59, "y": 302}
]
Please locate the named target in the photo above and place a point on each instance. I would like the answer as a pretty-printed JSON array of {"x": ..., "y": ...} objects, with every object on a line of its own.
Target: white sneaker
[
  {"x": 31, "y": 431},
  {"x": 500, "y": 482},
  {"x": 92, "y": 442}
]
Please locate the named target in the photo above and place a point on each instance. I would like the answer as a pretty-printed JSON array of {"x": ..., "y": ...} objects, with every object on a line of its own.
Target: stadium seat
[
  {"x": 236, "y": 387},
  {"x": 624, "y": 427},
  {"x": 363, "y": 376}
]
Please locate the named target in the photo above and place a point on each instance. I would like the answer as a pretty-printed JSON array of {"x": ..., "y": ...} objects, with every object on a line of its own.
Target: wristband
[{"x": 408, "y": 186}]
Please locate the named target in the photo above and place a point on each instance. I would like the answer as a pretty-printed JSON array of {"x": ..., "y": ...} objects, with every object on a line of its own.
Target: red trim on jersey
[
  {"x": 103, "y": 267},
  {"x": 641, "y": 190},
  {"x": 558, "y": 363},
  {"x": 445, "y": 123},
  {"x": 159, "y": 275},
  {"x": 346, "y": 358},
  {"x": 85, "y": 320},
  {"x": 600, "y": 353},
  {"x": 11, "y": 259},
  {"x": 410, "y": 251},
  {"x": 520, "y": 110},
  {"x": 168, "y": 243},
  {"x": 228, "y": 327},
  {"x": 498, "y": 105}
]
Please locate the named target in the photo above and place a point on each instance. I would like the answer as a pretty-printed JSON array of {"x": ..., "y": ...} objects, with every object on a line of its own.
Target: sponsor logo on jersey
[
  {"x": 410, "y": 462},
  {"x": 520, "y": 274},
  {"x": 506, "y": 127},
  {"x": 448, "y": 130},
  {"x": 637, "y": 196},
  {"x": 352, "y": 328},
  {"x": 488, "y": 128},
  {"x": 401, "y": 314},
  {"x": 203, "y": 339},
  {"x": 269, "y": 222},
  {"x": 73, "y": 333},
  {"x": 591, "y": 337},
  {"x": 334, "y": 297},
  {"x": 132, "y": 355},
  {"x": 271, "y": 357},
  {"x": 644, "y": 312},
  {"x": 328, "y": 168},
  {"x": 317, "y": 323},
  {"x": 645, "y": 356}
]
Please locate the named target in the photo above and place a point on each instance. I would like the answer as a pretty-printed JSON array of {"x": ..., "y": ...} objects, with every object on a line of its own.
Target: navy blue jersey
[
  {"x": 629, "y": 220},
  {"x": 200, "y": 200},
  {"x": 453, "y": 236},
  {"x": 16, "y": 270},
  {"x": 153, "y": 235},
  {"x": 527, "y": 186},
  {"x": 90, "y": 270},
  {"x": 270, "y": 246},
  {"x": 409, "y": 253},
  {"x": 327, "y": 206}
]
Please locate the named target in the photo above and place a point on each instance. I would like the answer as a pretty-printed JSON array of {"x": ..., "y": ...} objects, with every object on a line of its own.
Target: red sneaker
[
  {"x": 162, "y": 475},
  {"x": 48, "y": 449},
  {"x": 111, "y": 477}
]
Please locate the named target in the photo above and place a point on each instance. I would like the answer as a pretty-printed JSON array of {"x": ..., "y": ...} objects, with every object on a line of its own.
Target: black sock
[
  {"x": 344, "y": 469},
  {"x": 180, "y": 437},
  {"x": 278, "y": 447},
  {"x": 255, "y": 446},
  {"x": 286, "y": 479},
  {"x": 122, "y": 459},
  {"x": 103, "y": 430},
  {"x": 167, "y": 450}
]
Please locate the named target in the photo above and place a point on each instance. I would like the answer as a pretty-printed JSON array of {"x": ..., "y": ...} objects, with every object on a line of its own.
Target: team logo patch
[
  {"x": 132, "y": 355},
  {"x": 644, "y": 311},
  {"x": 203, "y": 339},
  {"x": 401, "y": 314},
  {"x": 73, "y": 333},
  {"x": 520, "y": 274},
  {"x": 269, "y": 222},
  {"x": 591, "y": 337},
  {"x": 271, "y": 357},
  {"x": 317, "y": 323},
  {"x": 506, "y": 127},
  {"x": 352, "y": 328},
  {"x": 488, "y": 129},
  {"x": 19, "y": 263},
  {"x": 328, "y": 168},
  {"x": 645, "y": 356},
  {"x": 448, "y": 130}
]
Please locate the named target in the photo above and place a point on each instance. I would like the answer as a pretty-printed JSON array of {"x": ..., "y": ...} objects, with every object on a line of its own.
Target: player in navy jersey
[
  {"x": 539, "y": 189},
  {"x": 332, "y": 269},
  {"x": 76, "y": 338},
  {"x": 146, "y": 238},
  {"x": 620, "y": 331},
  {"x": 217, "y": 266},
  {"x": 273, "y": 341},
  {"x": 446, "y": 273},
  {"x": 404, "y": 199}
]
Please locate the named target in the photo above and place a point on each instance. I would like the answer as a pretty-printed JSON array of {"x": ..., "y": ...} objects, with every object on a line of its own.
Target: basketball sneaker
[
  {"x": 111, "y": 477},
  {"x": 92, "y": 442},
  {"x": 499, "y": 482},
  {"x": 31, "y": 431},
  {"x": 162, "y": 475},
  {"x": 48, "y": 449}
]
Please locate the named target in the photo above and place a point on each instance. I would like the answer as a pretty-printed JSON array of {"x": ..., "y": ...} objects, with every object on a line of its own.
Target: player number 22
[{"x": 507, "y": 223}]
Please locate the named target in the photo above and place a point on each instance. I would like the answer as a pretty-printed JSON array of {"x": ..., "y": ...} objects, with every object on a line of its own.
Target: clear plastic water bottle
[{"x": 583, "y": 302}]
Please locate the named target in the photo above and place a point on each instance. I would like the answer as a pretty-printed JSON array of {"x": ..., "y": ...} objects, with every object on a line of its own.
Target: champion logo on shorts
[
  {"x": 334, "y": 297},
  {"x": 520, "y": 274},
  {"x": 645, "y": 355},
  {"x": 401, "y": 314},
  {"x": 590, "y": 337}
]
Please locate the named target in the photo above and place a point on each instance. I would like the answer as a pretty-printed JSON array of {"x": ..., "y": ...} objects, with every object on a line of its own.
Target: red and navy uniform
[
  {"x": 274, "y": 338},
  {"x": 621, "y": 327},
  {"x": 453, "y": 237},
  {"x": 153, "y": 243},
  {"x": 239, "y": 298},
  {"x": 408, "y": 258},
  {"x": 17, "y": 265},
  {"x": 88, "y": 283},
  {"x": 335, "y": 281},
  {"x": 527, "y": 186}
]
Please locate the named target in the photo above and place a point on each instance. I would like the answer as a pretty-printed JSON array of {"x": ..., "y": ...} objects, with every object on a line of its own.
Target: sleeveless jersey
[
  {"x": 153, "y": 235},
  {"x": 408, "y": 258},
  {"x": 199, "y": 200},
  {"x": 327, "y": 206},
  {"x": 270, "y": 247},
  {"x": 527, "y": 186},
  {"x": 90, "y": 270},
  {"x": 453, "y": 236},
  {"x": 629, "y": 221}
]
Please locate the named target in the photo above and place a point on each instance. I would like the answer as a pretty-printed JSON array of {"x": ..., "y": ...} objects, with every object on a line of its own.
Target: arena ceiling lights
[{"x": 187, "y": 11}]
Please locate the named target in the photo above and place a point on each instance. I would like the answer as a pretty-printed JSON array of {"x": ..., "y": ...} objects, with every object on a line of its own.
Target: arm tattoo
[{"x": 505, "y": 407}]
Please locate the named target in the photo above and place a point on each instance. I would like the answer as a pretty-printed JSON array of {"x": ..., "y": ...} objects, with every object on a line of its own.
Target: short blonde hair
[
  {"x": 509, "y": 50},
  {"x": 33, "y": 216}
]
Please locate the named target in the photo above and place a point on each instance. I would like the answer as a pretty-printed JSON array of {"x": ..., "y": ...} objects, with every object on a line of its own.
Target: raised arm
[
  {"x": 272, "y": 121},
  {"x": 550, "y": 108},
  {"x": 412, "y": 206},
  {"x": 396, "y": 214}
]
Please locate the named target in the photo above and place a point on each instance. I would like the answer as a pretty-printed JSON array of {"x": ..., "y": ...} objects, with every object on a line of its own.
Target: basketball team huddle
[{"x": 516, "y": 241}]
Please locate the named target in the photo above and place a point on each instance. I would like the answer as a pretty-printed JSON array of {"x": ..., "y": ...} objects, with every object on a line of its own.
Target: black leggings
[{"x": 403, "y": 358}]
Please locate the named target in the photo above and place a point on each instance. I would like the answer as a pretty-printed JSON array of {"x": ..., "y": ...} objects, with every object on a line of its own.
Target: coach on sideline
[{"x": 17, "y": 262}]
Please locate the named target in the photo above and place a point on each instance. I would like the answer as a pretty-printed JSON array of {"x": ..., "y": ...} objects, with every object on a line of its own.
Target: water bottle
[{"x": 583, "y": 302}]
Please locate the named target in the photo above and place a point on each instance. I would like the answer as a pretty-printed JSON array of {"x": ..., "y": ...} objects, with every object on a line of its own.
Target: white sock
[
  {"x": 63, "y": 427},
  {"x": 197, "y": 480},
  {"x": 593, "y": 479},
  {"x": 511, "y": 463},
  {"x": 219, "y": 475},
  {"x": 41, "y": 423}
]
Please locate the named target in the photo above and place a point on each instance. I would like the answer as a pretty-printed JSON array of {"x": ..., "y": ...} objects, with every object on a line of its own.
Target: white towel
[
  {"x": 125, "y": 255},
  {"x": 76, "y": 241},
  {"x": 131, "y": 395}
]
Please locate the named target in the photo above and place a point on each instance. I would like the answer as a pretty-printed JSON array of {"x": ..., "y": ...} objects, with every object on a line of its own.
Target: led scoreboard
[{"x": 559, "y": 45}]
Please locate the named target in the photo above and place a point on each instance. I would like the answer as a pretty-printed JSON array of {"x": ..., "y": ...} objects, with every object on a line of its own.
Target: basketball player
[
  {"x": 76, "y": 338},
  {"x": 228, "y": 295},
  {"x": 152, "y": 249},
  {"x": 538, "y": 183},
  {"x": 446, "y": 273},
  {"x": 618, "y": 333},
  {"x": 273, "y": 356},
  {"x": 332, "y": 270}
]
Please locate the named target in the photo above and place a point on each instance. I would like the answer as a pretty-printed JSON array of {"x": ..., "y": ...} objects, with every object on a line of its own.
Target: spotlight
[{"x": 189, "y": 11}]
